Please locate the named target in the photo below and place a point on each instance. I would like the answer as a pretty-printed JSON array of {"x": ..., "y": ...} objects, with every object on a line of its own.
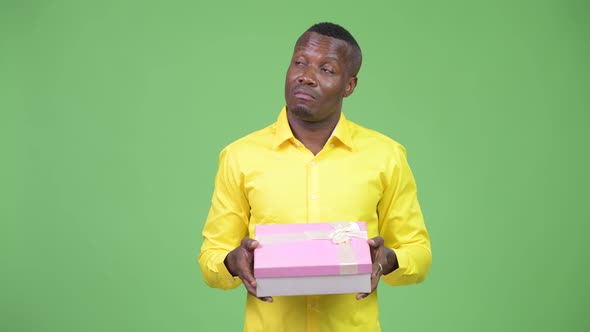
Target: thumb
[
  {"x": 375, "y": 242},
  {"x": 248, "y": 243},
  {"x": 253, "y": 244}
]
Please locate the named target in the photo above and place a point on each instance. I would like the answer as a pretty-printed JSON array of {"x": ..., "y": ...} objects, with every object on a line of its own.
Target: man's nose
[{"x": 307, "y": 77}]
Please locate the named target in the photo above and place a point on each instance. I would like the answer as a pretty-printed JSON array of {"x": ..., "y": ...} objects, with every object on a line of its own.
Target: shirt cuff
[
  {"x": 396, "y": 276},
  {"x": 224, "y": 278}
]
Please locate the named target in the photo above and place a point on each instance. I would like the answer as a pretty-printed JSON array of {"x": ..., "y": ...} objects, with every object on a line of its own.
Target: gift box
[{"x": 312, "y": 259}]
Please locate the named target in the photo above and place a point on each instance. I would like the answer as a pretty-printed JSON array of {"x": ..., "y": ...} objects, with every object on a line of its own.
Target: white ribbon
[{"x": 342, "y": 232}]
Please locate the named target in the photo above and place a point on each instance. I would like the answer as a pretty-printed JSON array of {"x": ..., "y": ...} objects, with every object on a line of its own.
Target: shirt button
[
  {"x": 313, "y": 197},
  {"x": 313, "y": 303},
  {"x": 313, "y": 163}
]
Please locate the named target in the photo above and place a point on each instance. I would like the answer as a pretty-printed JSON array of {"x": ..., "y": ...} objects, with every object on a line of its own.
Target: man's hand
[
  {"x": 240, "y": 263},
  {"x": 384, "y": 262}
]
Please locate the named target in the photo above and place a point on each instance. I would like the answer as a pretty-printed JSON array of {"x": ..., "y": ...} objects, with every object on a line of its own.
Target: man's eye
[
  {"x": 298, "y": 63},
  {"x": 328, "y": 70}
]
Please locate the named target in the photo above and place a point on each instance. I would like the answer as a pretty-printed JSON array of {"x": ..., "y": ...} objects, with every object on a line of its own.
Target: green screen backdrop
[{"x": 112, "y": 115}]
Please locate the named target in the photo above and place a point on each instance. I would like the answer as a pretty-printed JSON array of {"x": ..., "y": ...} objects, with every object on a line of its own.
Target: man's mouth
[{"x": 303, "y": 94}]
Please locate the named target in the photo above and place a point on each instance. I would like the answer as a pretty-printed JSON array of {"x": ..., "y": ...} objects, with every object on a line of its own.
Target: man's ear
[{"x": 350, "y": 86}]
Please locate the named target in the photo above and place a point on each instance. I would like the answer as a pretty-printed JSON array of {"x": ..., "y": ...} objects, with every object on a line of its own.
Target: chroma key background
[{"x": 112, "y": 115}]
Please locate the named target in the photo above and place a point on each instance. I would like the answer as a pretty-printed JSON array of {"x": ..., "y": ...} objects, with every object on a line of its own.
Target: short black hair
[{"x": 336, "y": 31}]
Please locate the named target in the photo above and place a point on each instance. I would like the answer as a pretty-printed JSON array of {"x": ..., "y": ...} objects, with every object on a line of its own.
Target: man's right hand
[{"x": 240, "y": 263}]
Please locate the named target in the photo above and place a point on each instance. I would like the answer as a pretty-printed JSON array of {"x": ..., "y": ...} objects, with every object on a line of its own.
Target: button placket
[{"x": 313, "y": 193}]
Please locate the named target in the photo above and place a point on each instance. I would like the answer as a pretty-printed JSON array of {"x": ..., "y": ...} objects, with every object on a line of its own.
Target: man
[{"x": 314, "y": 165}]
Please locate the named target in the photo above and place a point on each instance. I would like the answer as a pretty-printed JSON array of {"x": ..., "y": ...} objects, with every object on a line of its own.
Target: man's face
[{"x": 319, "y": 77}]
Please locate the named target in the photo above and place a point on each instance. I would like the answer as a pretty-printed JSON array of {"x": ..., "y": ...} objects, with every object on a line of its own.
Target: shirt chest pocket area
[
  {"x": 279, "y": 196},
  {"x": 353, "y": 196}
]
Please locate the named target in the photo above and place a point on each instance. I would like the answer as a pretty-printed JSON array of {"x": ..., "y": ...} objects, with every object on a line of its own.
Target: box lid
[{"x": 297, "y": 250}]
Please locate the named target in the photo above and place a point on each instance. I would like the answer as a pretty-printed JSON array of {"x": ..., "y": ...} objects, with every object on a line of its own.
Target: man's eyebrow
[
  {"x": 331, "y": 58},
  {"x": 335, "y": 59}
]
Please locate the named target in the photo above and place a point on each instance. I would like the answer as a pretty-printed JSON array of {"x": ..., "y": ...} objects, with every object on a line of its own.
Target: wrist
[
  {"x": 228, "y": 265},
  {"x": 392, "y": 263}
]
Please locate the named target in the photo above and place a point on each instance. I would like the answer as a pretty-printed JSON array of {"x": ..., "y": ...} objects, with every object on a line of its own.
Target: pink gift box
[{"x": 306, "y": 259}]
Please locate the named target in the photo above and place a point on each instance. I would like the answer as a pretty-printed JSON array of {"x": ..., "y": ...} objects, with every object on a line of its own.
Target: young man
[{"x": 314, "y": 165}]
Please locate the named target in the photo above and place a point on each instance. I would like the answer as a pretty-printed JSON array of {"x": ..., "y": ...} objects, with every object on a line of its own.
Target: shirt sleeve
[
  {"x": 402, "y": 225},
  {"x": 226, "y": 225}
]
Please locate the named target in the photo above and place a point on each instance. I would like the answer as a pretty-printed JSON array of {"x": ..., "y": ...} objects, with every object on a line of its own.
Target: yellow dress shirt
[{"x": 269, "y": 177}]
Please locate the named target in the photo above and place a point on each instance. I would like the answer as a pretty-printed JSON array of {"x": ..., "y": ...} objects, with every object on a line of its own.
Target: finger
[
  {"x": 250, "y": 287},
  {"x": 374, "y": 284},
  {"x": 377, "y": 269},
  {"x": 251, "y": 290},
  {"x": 253, "y": 245},
  {"x": 360, "y": 296},
  {"x": 248, "y": 276},
  {"x": 249, "y": 244},
  {"x": 246, "y": 265},
  {"x": 376, "y": 242},
  {"x": 266, "y": 299}
]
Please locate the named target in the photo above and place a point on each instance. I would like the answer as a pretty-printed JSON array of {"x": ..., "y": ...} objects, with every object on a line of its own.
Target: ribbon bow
[{"x": 344, "y": 231}]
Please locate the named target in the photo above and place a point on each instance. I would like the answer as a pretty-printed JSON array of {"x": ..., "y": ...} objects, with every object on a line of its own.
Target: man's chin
[{"x": 302, "y": 113}]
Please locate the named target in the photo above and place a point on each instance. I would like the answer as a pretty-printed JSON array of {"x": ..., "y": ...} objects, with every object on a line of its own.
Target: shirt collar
[
  {"x": 342, "y": 133},
  {"x": 283, "y": 131}
]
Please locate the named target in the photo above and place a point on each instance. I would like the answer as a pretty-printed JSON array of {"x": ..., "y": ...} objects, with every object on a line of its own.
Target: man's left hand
[{"x": 384, "y": 262}]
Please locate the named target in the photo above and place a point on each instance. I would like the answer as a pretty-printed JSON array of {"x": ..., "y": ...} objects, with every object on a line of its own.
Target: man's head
[
  {"x": 322, "y": 72},
  {"x": 338, "y": 32}
]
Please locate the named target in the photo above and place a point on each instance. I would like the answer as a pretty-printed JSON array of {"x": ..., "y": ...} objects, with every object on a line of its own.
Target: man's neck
[{"x": 313, "y": 135}]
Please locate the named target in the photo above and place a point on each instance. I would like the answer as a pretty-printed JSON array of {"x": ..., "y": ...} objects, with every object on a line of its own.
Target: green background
[{"x": 113, "y": 114}]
